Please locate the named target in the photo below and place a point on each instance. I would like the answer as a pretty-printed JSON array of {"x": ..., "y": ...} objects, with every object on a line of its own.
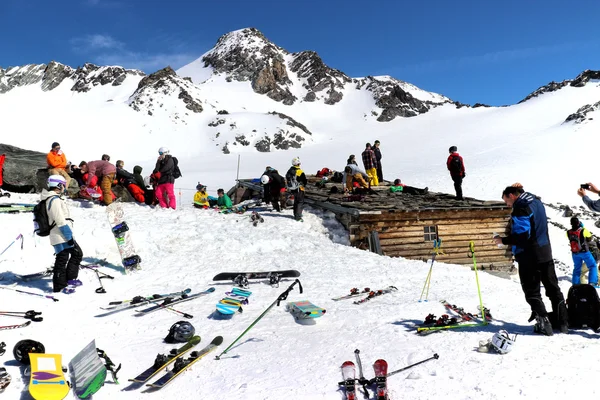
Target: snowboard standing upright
[
  {"x": 129, "y": 258},
  {"x": 88, "y": 371}
]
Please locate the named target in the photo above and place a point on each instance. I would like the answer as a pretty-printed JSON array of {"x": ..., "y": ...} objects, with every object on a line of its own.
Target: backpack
[
  {"x": 41, "y": 223},
  {"x": 577, "y": 246},
  {"x": 176, "y": 170},
  {"x": 323, "y": 172},
  {"x": 337, "y": 177},
  {"x": 583, "y": 307},
  {"x": 455, "y": 165},
  {"x": 293, "y": 183}
]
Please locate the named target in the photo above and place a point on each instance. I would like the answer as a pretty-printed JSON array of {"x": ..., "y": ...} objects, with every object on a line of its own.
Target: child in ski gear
[
  {"x": 456, "y": 166},
  {"x": 354, "y": 174},
  {"x": 578, "y": 239},
  {"x": 223, "y": 201},
  {"x": 163, "y": 172},
  {"x": 127, "y": 180},
  {"x": 201, "y": 197},
  {"x": 398, "y": 186},
  {"x": 68, "y": 252},
  {"x": 370, "y": 163},
  {"x": 531, "y": 246},
  {"x": 378, "y": 157},
  {"x": 57, "y": 162},
  {"x": 296, "y": 181},
  {"x": 273, "y": 188},
  {"x": 105, "y": 172}
]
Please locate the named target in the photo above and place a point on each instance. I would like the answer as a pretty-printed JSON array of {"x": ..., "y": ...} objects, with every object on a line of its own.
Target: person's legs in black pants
[
  {"x": 379, "y": 173},
  {"x": 458, "y": 186},
  {"x": 553, "y": 292},
  {"x": 529, "y": 275},
  {"x": 298, "y": 204},
  {"x": 59, "y": 280},
  {"x": 74, "y": 261}
]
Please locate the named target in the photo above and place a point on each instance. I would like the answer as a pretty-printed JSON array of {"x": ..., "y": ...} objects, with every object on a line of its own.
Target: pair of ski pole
[
  {"x": 437, "y": 249},
  {"x": 13, "y": 242},
  {"x": 31, "y": 315}
]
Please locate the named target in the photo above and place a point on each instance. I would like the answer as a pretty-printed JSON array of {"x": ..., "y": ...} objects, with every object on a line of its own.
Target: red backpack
[
  {"x": 577, "y": 245},
  {"x": 323, "y": 172}
]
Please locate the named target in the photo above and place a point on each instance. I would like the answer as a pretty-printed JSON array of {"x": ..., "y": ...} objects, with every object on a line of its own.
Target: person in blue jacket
[{"x": 531, "y": 246}]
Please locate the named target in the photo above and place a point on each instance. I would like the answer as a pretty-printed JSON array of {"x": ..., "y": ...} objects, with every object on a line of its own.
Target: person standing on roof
[
  {"x": 456, "y": 166},
  {"x": 370, "y": 163},
  {"x": 68, "y": 253},
  {"x": 296, "y": 181},
  {"x": 57, "y": 162},
  {"x": 378, "y": 157},
  {"x": 164, "y": 175}
]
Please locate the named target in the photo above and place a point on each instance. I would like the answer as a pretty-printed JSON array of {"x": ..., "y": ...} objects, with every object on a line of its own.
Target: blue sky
[{"x": 470, "y": 51}]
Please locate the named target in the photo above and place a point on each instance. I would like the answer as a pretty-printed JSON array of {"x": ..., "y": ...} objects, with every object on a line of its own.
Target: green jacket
[
  {"x": 224, "y": 202},
  {"x": 395, "y": 189}
]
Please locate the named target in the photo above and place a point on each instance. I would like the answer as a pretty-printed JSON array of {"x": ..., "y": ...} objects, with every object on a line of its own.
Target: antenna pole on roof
[{"x": 237, "y": 176}]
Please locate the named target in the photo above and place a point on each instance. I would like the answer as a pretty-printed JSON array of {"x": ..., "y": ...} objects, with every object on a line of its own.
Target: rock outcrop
[
  {"x": 20, "y": 169},
  {"x": 582, "y": 114}
]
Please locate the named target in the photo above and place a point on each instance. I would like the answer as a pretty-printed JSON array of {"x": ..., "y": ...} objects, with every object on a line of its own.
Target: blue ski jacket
[{"x": 529, "y": 230}]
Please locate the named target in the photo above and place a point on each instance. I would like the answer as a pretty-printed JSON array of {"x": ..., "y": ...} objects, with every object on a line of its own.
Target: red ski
[
  {"x": 349, "y": 382},
  {"x": 380, "y": 379}
]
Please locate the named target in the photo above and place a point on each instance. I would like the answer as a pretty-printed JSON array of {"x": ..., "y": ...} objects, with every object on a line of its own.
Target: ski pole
[
  {"x": 472, "y": 255},
  {"x": 32, "y": 315},
  {"x": 13, "y": 242},
  {"x": 437, "y": 244},
  {"x": 361, "y": 378},
  {"x": 281, "y": 298},
  {"x": 435, "y": 356},
  {"x": 101, "y": 288},
  {"x": 30, "y": 293},
  {"x": 186, "y": 315}
]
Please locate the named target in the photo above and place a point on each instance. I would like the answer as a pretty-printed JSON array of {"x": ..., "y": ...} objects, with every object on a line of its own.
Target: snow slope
[{"x": 280, "y": 358}]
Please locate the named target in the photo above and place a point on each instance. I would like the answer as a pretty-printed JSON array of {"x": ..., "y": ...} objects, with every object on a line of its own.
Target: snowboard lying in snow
[
  {"x": 227, "y": 276},
  {"x": 47, "y": 380}
]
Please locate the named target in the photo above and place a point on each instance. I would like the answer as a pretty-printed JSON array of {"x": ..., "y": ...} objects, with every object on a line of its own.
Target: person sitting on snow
[
  {"x": 201, "y": 197},
  {"x": 127, "y": 180},
  {"x": 223, "y": 201},
  {"x": 398, "y": 186},
  {"x": 103, "y": 171},
  {"x": 57, "y": 162}
]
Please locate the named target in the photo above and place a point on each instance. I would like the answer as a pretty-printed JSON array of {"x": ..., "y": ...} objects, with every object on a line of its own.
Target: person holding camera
[{"x": 593, "y": 205}]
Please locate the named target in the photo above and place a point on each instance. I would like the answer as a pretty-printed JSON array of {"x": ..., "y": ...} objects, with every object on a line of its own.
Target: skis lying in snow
[
  {"x": 137, "y": 300},
  {"x": 7, "y": 327},
  {"x": 380, "y": 367},
  {"x": 349, "y": 382},
  {"x": 182, "y": 364},
  {"x": 162, "y": 361},
  {"x": 353, "y": 293},
  {"x": 462, "y": 320},
  {"x": 376, "y": 293},
  {"x": 169, "y": 301}
]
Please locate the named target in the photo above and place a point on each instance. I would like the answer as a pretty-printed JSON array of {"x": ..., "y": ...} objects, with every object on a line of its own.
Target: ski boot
[
  {"x": 274, "y": 280},
  {"x": 241, "y": 281},
  {"x": 119, "y": 230},
  {"x": 430, "y": 319},
  {"x": 543, "y": 326}
]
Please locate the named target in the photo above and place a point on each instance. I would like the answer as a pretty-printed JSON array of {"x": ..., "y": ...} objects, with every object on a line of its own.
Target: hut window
[{"x": 430, "y": 233}]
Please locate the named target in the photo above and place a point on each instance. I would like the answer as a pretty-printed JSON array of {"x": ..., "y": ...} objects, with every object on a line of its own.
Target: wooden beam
[
  {"x": 449, "y": 253},
  {"x": 332, "y": 207},
  {"x": 430, "y": 222},
  {"x": 390, "y": 226},
  {"x": 426, "y": 214},
  {"x": 409, "y": 244}
]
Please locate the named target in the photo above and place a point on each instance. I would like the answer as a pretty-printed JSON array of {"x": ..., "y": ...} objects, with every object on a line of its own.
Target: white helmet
[
  {"x": 296, "y": 161},
  {"x": 502, "y": 342},
  {"x": 163, "y": 150},
  {"x": 57, "y": 181},
  {"x": 264, "y": 179}
]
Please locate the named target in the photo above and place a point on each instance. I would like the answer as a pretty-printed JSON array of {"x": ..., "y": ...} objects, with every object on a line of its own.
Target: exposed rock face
[
  {"x": 582, "y": 114},
  {"x": 20, "y": 169},
  {"x": 54, "y": 74},
  {"x": 318, "y": 77},
  {"x": 20, "y": 76},
  {"x": 581, "y": 80},
  {"x": 90, "y": 75},
  {"x": 165, "y": 82}
]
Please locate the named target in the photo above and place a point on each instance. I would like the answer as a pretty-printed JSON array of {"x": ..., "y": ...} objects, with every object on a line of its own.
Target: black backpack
[
  {"x": 176, "y": 170},
  {"x": 583, "y": 307},
  {"x": 337, "y": 177},
  {"x": 455, "y": 165},
  {"x": 41, "y": 222}
]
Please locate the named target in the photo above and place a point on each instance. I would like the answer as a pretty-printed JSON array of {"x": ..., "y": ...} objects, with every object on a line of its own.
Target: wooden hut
[{"x": 405, "y": 225}]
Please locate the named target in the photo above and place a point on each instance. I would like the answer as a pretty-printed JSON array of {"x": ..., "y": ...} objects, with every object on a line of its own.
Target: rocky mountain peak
[
  {"x": 13, "y": 77},
  {"x": 580, "y": 80},
  {"x": 318, "y": 77}
]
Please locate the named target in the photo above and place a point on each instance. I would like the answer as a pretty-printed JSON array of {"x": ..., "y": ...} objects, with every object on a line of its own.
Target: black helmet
[
  {"x": 181, "y": 331},
  {"x": 24, "y": 347}
]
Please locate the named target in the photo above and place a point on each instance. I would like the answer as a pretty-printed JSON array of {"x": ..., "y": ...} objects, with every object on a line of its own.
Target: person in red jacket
[{"x": 456, "y": 166}]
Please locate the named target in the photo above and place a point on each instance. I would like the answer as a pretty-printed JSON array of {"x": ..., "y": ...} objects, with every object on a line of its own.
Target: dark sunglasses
[{"x": 56, "y": 148}]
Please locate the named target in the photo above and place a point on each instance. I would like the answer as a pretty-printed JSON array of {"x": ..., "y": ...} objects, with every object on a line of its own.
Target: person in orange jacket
[{"x": 57, "y": 162}]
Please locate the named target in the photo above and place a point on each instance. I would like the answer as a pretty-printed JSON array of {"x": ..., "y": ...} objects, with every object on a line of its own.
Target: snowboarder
[
  {"x": 353, "y": 174},
  {"x": 68, "y": 252},
  {"x": 378, "y": 157},
  {"x": 223, "y": 200},
  {"x": 57, "y": 162},
  {"x": 533, "y": 252},
  {"x": 296, "y": 181},
  {"x": 105, "y": 172},
  {"x": 580, "y": 251},
  {"x": 163, "y": 172},
  {"x": 201, "y": 197},
  {"x": 370, "y": 163},
  {"x": 128, "y": 180},
  {"x": 273, "y": 188},
  {"x": 456, "y": 166}
]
